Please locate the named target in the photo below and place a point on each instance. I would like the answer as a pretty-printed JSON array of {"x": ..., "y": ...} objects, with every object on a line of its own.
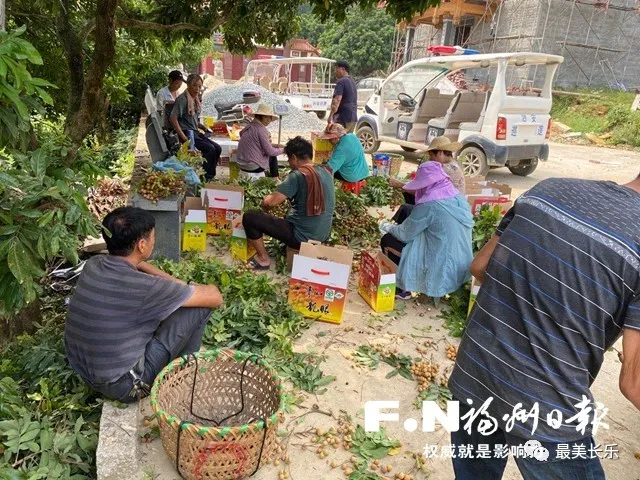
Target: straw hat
[
  {"x": 333, "y": 131},
  {"x": 265, "y": 110},
  {"x": 443, "y": 143}
]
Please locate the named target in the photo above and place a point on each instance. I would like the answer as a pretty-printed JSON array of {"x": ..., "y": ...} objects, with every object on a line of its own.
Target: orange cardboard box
[
  {"x": 319, "y": 281},
  {"x": 225, "y": 203},
  {"x": 377, "y": 284}
]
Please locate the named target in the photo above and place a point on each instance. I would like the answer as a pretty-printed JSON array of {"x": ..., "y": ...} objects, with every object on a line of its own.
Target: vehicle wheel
[
  {"x": 524, "y": 170},
  {"x": 473, "y": 162},
  {"x": 367, "y": 138},
  {"x": 321, "y": 115},
  {"x": 407, "y": 149}
]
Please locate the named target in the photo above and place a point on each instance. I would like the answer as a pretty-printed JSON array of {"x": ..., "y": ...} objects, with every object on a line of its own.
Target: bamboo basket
[{"x": 218, "y": 413}]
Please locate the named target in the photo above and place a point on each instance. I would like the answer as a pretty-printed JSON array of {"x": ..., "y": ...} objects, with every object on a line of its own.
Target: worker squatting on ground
[
  {"x": 560, "y": 284},
  {"x": 127, "y": 320},
  {"x": 347, "y": 161},
  {"x": 431, "y": 242},
  {"x": 440, "y": 150},
  {"x": 310, "y": 190}
]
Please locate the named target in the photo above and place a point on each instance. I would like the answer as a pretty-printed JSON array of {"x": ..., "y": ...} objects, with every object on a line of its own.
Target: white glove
[{"x": 385, "y": 227}]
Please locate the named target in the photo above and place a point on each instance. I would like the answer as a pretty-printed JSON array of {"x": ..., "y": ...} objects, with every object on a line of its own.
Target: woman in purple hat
[{"x": 432, "y": 246}]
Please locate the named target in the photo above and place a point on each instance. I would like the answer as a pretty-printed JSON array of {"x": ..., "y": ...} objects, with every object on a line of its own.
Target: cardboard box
[
  {"x": 240, "y": 248},
  {"x": 224, "y": 204},
  {"x": 322, "y": 149},
  {"x": 319, "y": 281},
  {"x": 477, "y": 201},
  {"x": 475, "y": 288},
  {"x": 377, "y": 283},
  {"x": 477, "y": 187},
  {"x": 481, "y": 192},
  {"x": 194, "y": 230}
]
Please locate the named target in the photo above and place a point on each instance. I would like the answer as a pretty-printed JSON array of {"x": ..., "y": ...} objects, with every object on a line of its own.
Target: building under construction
[{"x": 598, "y": 39}]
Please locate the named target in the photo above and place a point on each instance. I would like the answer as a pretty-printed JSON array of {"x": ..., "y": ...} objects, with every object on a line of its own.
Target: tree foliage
[
  {"x": 43, "y": 212},
  {"x": 86, "y": 34},
  {"x": 20, "y": 93},
  {"x": 365, "y": 40}
]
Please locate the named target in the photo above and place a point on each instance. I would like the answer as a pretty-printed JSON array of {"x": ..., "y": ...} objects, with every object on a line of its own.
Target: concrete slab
[{"x": 117, "y": 456}]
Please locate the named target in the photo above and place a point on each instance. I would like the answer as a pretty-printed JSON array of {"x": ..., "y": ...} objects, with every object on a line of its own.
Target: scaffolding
[{"x": 597, "y": 38}]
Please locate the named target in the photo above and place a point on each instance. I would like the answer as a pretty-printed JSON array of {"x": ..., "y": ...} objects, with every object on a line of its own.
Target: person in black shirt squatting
[
  {"x": 344, "y": 106},
  {"x": 127, "y": 319}
]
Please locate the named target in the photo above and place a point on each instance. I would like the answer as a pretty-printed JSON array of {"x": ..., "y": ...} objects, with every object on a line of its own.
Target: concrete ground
[{"x": 405, "y": 329}]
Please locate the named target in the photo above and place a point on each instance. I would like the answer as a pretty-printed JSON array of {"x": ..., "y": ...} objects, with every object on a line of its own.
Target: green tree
[
  {"x": 86, "y": 33},
  {"x": 311, "y": 28},
  {"x": 365, "y": 40},
  {"x": 43, "y": 212}
]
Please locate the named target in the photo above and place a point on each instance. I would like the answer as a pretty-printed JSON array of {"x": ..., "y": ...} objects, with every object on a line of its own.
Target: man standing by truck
[{"x": 344, "y": 107}]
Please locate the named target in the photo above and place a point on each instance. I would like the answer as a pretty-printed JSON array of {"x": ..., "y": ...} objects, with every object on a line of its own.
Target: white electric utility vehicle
[
  {"x": 484, "y": 101},
  {"x": 304, "y": 82}
]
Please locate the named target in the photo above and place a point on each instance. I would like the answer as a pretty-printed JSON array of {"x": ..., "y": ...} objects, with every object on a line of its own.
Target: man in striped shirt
[
  {"x": 560, "y": 284},
  {"x": 127, "y": 319}
]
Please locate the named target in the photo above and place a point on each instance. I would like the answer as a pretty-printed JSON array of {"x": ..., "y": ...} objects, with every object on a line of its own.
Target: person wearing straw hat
[
  {"x": 347, "y": 161},
  {"x": 256, "y": 153},
  {"x": 440, "y": 150},
  {"x": 432, "y": 246}
]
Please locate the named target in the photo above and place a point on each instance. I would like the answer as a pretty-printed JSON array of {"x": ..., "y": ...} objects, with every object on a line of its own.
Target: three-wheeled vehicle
[
  {"x": 304, "y": 82},
  {"x": 502, "y": 122}
]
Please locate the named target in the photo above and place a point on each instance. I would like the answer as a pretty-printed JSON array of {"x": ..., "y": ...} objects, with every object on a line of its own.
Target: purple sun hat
[{"x": 431, "y": 183}]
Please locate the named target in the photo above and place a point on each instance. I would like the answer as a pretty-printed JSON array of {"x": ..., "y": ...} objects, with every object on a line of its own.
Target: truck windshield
[{"x": 410, "y": 81}]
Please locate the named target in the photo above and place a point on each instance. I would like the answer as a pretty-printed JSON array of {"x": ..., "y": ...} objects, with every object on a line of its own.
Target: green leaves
[
  {"x": 19, "y": 436},
  {"x": 42, "y": 214},
  {"x": 372, "y": 445},
  {"x": 48, "y": 416},
  {"x": 16, "y": 259},
  {"x": 304, "y": 373},
  {"x": 19, "y": 91},
  {"x": 378, "y": 193},
  {"x": 485, "y": 225}
]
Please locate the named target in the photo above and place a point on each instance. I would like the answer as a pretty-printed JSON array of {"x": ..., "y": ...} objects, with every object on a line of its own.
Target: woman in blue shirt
[
  {"x": 347, "y": 161},
  {"x": 432, "y": 246}
]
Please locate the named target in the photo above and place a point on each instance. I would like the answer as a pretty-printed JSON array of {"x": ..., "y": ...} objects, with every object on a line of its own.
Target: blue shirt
[
  {"x": 348, "y": 159},
  {"x": 438, "y": 253}
]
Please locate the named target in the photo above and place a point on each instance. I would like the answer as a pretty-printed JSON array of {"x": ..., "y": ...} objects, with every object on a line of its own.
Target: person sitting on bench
[
  {"x": 184, "y": 117},
  {"x": 347, "y": 161},
  {"x": 310, "y": 189},
  {"x": 255, "y": 151},
  {"x": 166, "y": 96},
  {"x": 127, "y": 319}
]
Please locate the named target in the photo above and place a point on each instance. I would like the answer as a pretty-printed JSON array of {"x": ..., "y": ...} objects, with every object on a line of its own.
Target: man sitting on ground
[
  {"x": 127, "y": 320},
  {"x": 347, "y": 161},
  {"x": 311, "y": 191}
]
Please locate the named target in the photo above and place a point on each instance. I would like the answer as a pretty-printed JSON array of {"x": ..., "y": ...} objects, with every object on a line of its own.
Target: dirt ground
[{"x": 415, "y": 323}]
